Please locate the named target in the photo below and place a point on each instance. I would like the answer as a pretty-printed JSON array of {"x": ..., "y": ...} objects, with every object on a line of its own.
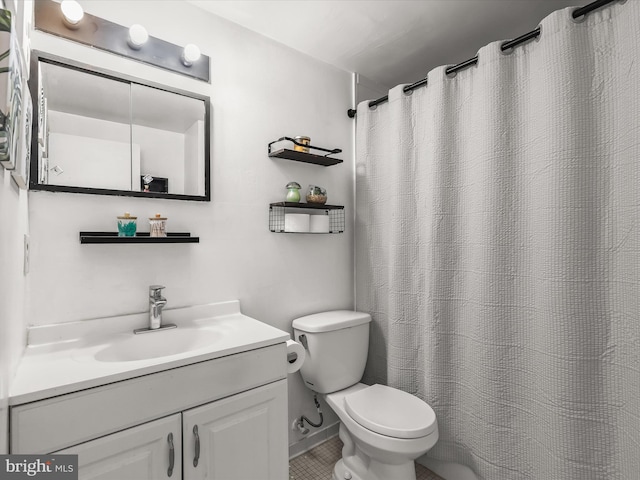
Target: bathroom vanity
[{"x": 215, "y": 407}]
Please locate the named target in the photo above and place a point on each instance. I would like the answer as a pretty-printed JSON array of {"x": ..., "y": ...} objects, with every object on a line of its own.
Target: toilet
[{"x": 383, "y": 429}]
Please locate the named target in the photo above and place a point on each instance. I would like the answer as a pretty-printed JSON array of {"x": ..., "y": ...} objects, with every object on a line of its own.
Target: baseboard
[
  {"x": 447, "y": 470},
  {"x": 312, "y": 440}
]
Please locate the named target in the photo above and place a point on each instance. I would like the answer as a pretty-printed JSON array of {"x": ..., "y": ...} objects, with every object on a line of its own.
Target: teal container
[{"x": 127, "y": 225}]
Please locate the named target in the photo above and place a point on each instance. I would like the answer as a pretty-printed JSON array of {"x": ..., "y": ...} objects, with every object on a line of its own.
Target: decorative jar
[
  {"x": 303, "y": 140},
  {"x": 157, "y": 226},
  {"x": 293, "y": 192},
  {"x": 316, "y": 195},
  {"x": 127, "y": 225}
]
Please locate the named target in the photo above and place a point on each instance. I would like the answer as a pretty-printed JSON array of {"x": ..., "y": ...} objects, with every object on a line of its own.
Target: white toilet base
[
  {"x": 378, "y": 472},
  {"x": 340, "y": 472},
  {"x": 355, "y": 464}
]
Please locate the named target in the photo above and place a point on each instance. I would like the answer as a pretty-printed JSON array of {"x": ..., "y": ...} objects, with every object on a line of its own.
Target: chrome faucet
[{"x": 156, "y": 304}]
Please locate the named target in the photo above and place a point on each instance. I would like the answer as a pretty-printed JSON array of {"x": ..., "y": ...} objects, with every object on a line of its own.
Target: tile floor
[{"x": 317, "y": 463}]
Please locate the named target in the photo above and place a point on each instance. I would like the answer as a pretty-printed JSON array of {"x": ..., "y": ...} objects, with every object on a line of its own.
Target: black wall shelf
[
  {"x": 305, "y": 157},
  {"x": 277, "y": 212},
  {"x": 315, "y": 206},
  {"x": 112, "y": 237}
]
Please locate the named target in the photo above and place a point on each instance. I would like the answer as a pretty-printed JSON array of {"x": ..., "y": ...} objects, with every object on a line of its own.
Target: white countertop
[{"x": 60, "y": 358}]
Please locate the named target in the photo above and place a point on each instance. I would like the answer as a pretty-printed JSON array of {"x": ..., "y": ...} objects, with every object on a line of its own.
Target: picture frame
[
  {"x": 12, "y": 80},
  {"x": 20, "y": 174},
  {"x": 5, "y": 53},
  {"x": 16, "y": 98}
]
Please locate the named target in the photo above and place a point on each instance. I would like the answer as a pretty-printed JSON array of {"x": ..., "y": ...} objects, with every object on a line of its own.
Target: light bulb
[
  {"x": 138, "y": 36},
  {"x": 190, "y": 54},
  {"x": 72, "y": 12}
]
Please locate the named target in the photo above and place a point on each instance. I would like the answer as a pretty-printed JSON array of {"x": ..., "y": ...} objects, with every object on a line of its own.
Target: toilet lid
[{"x": 391, "y": 412}]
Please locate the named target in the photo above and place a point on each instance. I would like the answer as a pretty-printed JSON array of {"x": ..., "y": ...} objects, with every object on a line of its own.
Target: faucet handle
[{"x": 155, "y": 291}]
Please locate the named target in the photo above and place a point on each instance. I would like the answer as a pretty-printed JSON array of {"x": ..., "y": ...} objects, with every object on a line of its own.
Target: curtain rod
[{"x": 578, "y": 12}]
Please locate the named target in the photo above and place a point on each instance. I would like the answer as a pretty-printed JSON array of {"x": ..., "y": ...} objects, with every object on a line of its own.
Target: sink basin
[{"x": 162, "y": 343}]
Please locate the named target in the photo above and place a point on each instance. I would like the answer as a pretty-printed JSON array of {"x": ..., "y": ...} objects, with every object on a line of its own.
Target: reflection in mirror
[
  {"x": 89, "y": 135},
  {"x": 98, "y": 133},
  {"x": 167, "y": 130}
]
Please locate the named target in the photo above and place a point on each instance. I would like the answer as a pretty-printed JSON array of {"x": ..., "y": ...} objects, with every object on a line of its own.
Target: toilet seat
[{"x": 391, "y": 412}]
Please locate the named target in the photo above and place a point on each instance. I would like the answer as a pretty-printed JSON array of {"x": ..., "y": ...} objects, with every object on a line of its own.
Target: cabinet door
[
  {"x": 242, "y": 437},
  {"x": 147, "y": 451}
]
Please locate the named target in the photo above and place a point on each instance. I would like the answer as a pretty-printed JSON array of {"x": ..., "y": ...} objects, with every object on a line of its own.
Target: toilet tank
[{"x": 336, "y": 344}]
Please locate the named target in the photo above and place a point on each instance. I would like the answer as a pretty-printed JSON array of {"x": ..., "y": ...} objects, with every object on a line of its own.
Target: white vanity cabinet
[
  {"x": 135, "y": 428},
  {"x": 152, "y": 451},
  {"x": 237, "y": 438}
]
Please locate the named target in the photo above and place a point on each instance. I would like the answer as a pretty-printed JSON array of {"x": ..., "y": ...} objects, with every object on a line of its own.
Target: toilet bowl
[
  {"x": 408, "y": 425},
  {"x": 383, "y": 429}
]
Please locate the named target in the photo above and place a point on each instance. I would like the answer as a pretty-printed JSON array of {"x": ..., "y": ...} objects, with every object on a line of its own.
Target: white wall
[
  {"x": 367, "y": 89},
  {"x": 72, "y": 124},
  {"x": 13, "y": 227},
  {"x": 259, "y": 90},
  {"x": 89, "y": 162},
  {"x": 161, "y": 154},
  {"x": 194, "y": 159},
  {"x": 91, "y": 152}
]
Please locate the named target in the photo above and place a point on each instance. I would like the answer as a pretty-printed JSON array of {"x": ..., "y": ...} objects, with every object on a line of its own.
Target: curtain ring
[
  {"x": 579, "y": 19},
  {"x": 506, "y": 51},
  {"x": 533, "y": 35}
]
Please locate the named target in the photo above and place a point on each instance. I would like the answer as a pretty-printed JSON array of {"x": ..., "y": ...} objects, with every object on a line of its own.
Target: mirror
[{"x": 106, "y": 134}]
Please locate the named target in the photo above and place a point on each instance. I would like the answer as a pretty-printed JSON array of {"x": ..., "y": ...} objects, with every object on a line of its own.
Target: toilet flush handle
[{"x": 303, "y": 340}]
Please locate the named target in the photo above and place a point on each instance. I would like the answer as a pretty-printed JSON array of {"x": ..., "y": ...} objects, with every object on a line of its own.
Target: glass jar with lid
[
  {"x": 316, "y": 195},
  {"x": 127, "y": 225},
  {"x": 293, "y": 192},
  {"x": 158, "y": 226}
]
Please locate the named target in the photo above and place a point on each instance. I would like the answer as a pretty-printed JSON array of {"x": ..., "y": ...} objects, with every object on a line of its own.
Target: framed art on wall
[
  {"x": 11, "y": 95},
  {"x": 5, "y": 50},
  {"x": 20, "y": 174}
]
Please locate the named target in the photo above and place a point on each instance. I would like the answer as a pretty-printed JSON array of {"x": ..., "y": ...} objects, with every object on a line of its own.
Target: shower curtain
[{"x": 498, "y": 251}]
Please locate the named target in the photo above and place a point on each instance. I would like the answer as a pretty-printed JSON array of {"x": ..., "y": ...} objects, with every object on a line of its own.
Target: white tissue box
[
  {"x": 319, "y": 223},
  {"x": 296, "y": 222}
]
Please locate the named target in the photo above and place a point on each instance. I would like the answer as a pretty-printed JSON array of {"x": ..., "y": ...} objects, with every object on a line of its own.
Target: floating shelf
[
  {"x": 112, "y": 237},
  {"x": 305, "y": 157},
  {"x": 278, "y": 210},
  {"x": 315, "y": 206}
]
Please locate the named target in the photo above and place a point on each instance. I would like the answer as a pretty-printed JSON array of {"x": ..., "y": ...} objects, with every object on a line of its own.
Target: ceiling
[{"x": 387, "y": 41}]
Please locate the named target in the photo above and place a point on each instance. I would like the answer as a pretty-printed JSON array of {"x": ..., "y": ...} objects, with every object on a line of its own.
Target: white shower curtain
[{"x": 498, "y": 251}]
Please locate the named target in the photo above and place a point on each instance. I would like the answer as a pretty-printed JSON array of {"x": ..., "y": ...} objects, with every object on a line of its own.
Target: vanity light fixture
[
  {"x": 138, "y": 36},
  {"x": 67, "y": 19},
  {"x": 72, "y": 13},
  {"x": 190, "y": 55}
]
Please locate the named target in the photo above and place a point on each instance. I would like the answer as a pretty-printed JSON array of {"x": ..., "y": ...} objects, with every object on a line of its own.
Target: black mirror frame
[{"x": 37, "y": 57}]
